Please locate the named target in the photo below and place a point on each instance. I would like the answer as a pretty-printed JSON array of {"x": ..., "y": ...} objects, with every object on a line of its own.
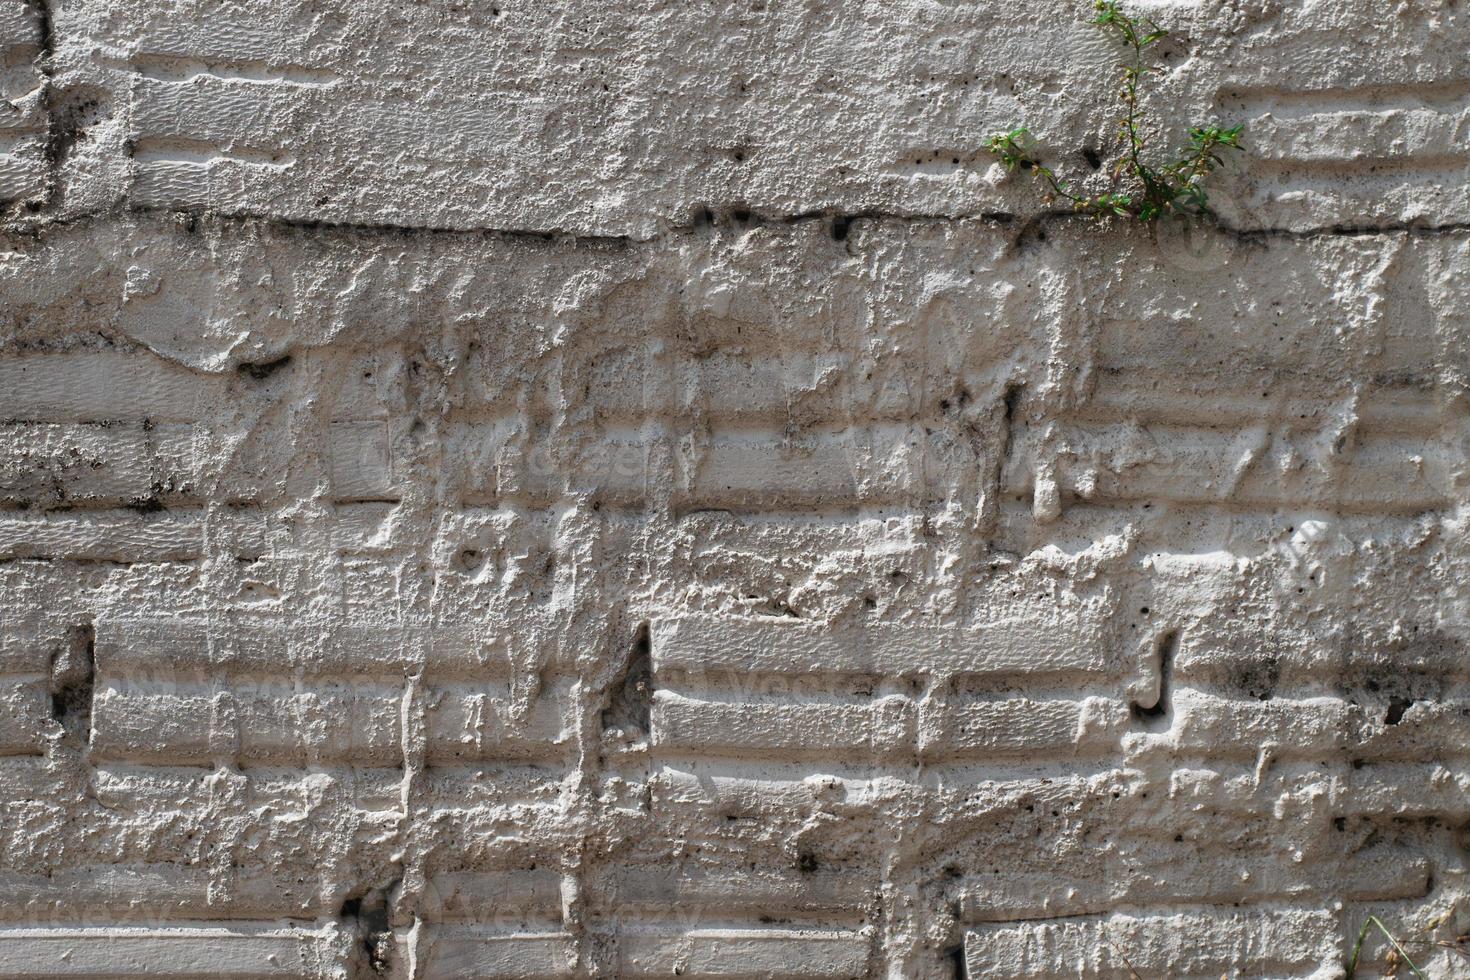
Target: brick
[
  {"x": 529, "y": 956},
  {"x": 1255, "y": 657},
  {"x": 490, "y": 783},
  {"x": 465, "y": 723},
  {"x": 1308, "y": 728},
  {"x": 25, "y": 712},
  {"x": 777, "y": 791},
  {"x": 69, "y": 896},
  {"x": 1186, "y": 875},
  {"x": 1345, "y": 145},
  {"x": 359, "y": 460},
  {"x": 81, "y": 387},
  {"x": 30, "y": 778},
  {"x": 1406, "y": 789},
  {"x": 100, "y": 465},
  {"x": 1207, "y": 465},
  {"x": 734, "y": 891},
  {"x": 469, "y": 895},
  {"x": 1020, "y": 727},
  {"x": 134, "y": 894},
  {"x": 491, "y": 460},
  {"x": 17, "y": 25},
  {"x": 244, "y": 952},
  {"x": 1424, "y": 730},
  {"x": 183, "y": 727},
  {"x": 1315, "y": 728},
  {"x": 21, "y": 173},
  {"x": 1003, "y": 647},
  {"x": 1184, "y": 944},
  {"x": 249, "y": 643},
  {"x": 808, "y": 731},
  {"x": 756, "y": 469},
  {"x": 743, "y": 953},
  {"x": 122, "y": 536},
  {"x": 23, "y": 127}
]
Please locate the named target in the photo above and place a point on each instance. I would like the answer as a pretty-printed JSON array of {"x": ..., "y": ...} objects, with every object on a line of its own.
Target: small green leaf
[{"x": 1139, "y": 189}]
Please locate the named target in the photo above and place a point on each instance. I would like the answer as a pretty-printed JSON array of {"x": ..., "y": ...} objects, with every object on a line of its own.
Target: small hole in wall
[
  {"x": 1155, "y": 717},
  {"x": 368, "y": 916},
  {"x": 955, "y": 955},
  {"x": 1094, "y": 160},
  {"x": 259, "y": 371},
  {"x": 73, "y": 678},
  {"x": 1396, "y": 709},
  {"x": 629, "y": 704},
  {"x": 258, "y": 591}
]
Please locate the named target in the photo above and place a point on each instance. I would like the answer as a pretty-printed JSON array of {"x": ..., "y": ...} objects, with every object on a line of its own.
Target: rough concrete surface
[{"x": 548, "y": 488}]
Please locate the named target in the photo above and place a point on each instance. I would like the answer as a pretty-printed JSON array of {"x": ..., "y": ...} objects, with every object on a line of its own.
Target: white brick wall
[{"x": 620, "y": 490}]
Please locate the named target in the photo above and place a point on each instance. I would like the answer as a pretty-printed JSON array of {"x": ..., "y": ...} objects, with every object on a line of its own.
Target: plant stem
[
  {"x": 1057, "y": 186},
  {"x": 1176, "y": 187},
  {"x": 1352, "y": 967}
]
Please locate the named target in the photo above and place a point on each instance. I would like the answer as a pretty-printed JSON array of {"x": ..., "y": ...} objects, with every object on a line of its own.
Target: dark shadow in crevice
[
  {"x": 629, "y": 705},
  {"x": 1157, "y": 717},
  {"x": 73, "y": 683}
]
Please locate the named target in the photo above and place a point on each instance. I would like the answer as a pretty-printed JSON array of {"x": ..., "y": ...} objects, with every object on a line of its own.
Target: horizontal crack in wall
[{"x": 33, "y": 225}]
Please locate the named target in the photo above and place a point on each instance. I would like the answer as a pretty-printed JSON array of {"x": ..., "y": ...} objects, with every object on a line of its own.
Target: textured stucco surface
[{"x": 537, "y": 489}]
